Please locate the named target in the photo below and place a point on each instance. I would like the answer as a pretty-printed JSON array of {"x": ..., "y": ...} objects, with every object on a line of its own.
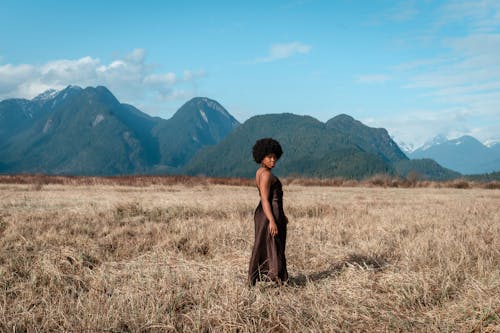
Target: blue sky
[{"x": 417, "y": 68}]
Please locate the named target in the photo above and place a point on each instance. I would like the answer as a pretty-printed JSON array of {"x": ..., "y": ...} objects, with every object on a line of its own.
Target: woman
[{"x": 268, "y": 254}]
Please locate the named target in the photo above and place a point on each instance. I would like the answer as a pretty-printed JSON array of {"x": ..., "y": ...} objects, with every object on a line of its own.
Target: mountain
[
  {"x": 437, "y": 140},
  {"x": 486, "y": 177},
  {"x": 374, "y": 140},
  {"x": 18, "y": 114},
  {"x": 465, "y": 154},
  {"x": 424, "y": 169},
  {"x": 199, "y": 122},
  {"x": 495, "y": 148},
  {"x": 15, "y": 115},
  {"x": 405, "y": 147},
  {"x": 89, "y": 132},
  {"x": 82, "y": 133},
  {"x": 311, "y": 148}
]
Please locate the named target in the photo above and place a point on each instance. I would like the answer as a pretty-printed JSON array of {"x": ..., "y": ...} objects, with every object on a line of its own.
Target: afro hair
[{"x": 264, "y": 147}]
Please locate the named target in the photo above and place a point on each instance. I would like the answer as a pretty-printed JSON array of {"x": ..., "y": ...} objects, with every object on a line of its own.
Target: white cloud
[
  {"x": 167, "y": 79},
  {"x": 469, "y": 77},
  {"x": 58, "y": 73},
  {"x": 462, "y": 78},
  {"x": 137, "y": 56},
  {"x": 13, "y": 76},
  {"x": 283, "y": 51},
  {"x": 191, "y": 75},
  {"x": 418, "y": 126},
  {"x": 130, "y": 78}
]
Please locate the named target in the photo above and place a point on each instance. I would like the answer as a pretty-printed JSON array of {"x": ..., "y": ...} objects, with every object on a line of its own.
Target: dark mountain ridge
[
  {"x": 89, "y": 132},
  {"x": 311, "y": 149},
  {"x": 373, "y": 140},
  {"x": 77, "y": 136},
  {"x": 199, "y": 122}
]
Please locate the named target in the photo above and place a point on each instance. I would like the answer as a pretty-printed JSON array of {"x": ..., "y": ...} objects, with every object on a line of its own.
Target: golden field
[{"x": 173, "y": 258}]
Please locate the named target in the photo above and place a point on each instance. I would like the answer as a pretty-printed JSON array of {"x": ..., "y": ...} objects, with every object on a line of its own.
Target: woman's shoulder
[
  {"x": 264, "y": 174},
  {"x": 262, "y": 171}
]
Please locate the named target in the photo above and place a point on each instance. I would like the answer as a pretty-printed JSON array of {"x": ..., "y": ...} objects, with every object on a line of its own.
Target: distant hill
[
  {"x": 465, "y": 154},
  {"x": 342, "y": 147},
  {"x": 89, "y": 132},
  {"x": 424, "y": 169},
  {"x": 486, "y": 177}
]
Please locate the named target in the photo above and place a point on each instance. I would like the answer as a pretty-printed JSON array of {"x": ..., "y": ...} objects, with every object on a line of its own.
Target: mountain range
[
  {"x": 89, "y": 132},
  {"x": 341, "y": 147},
  {"x": 464, "y": 154}
]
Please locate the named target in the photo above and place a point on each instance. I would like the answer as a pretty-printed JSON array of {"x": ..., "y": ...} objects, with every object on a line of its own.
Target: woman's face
[{"x": 269, "y": 161}]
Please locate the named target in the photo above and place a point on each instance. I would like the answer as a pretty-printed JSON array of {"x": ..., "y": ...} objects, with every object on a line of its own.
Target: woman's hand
[{"x": 273, "y": 228}]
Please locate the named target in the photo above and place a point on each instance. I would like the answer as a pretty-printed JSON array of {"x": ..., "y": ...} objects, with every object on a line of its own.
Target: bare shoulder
[{"x": 263, "y": 175}]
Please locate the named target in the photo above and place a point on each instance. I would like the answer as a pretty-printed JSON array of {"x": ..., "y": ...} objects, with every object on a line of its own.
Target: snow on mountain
[
  {"x": 441, "y": 138},
  {"x": 56, "y": 96},
  {"x": 46, "y": 95},
  {"x": 204, "y": 116},
  {"x": 407, "y": 148},
  {"x": 465, "y": 154},
  {"x": 215, "y": 106},
  {"x": 437, "y": 140},
  {"x": 491, "y": 142}
]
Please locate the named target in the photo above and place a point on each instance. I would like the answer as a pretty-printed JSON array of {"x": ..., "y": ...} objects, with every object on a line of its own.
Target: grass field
[{"x": 174, "y": 258}]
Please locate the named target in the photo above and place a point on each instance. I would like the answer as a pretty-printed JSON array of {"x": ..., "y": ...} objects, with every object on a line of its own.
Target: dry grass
[
  {"x": 382, "y": 180},
  {"x": 173, "y": 257}
]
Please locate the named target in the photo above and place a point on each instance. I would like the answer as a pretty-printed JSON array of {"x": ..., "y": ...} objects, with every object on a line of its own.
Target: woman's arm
[{"x": 265, "y": 187}]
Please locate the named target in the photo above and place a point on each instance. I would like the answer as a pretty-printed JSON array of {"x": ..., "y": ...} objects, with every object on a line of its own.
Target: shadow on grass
[{"x": 374, "y": 263}]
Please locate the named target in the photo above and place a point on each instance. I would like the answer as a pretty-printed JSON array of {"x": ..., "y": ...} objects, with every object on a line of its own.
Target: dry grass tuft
[{"x": 146, "y": 255}]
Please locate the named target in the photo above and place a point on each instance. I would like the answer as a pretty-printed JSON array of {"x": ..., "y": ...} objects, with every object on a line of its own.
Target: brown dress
[{"x": 268, "y": 260}]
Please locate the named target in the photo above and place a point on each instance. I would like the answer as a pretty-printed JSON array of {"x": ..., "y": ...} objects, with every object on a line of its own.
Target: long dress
[{"x": 268, "y": 261}]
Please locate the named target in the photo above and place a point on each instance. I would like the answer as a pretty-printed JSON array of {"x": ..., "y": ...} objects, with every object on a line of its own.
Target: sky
[{"x": 417, "y": 68}]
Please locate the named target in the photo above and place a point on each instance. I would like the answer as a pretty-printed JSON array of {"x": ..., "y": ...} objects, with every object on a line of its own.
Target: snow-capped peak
[
  {"x": 215, "y": 106},
  {"x": 56, "y": 96},
  {"x": 437, "y": 140},
  {"x": 46, "y": 95},
  {"x": 405, "y": 147}
]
